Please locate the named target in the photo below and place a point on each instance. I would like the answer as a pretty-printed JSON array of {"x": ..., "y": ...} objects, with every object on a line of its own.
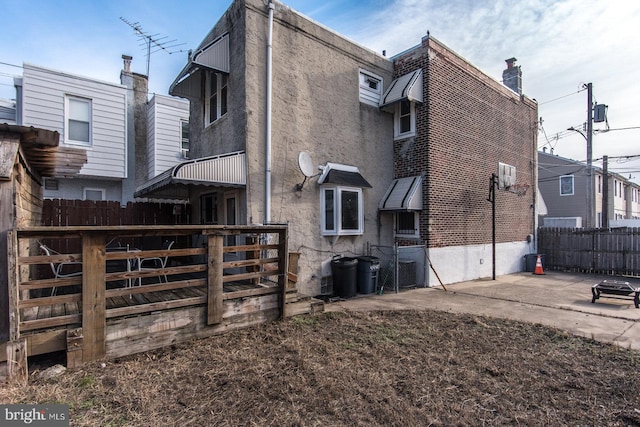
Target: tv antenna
[
  {"x": 153, "y": 41},
  {"x": 306, "y": 167}
]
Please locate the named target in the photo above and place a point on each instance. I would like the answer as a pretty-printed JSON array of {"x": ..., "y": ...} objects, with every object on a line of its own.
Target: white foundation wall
[{"x": 461, "y": 263}]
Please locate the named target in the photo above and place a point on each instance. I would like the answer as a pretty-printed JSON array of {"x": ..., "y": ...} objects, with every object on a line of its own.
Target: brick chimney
[{"x": 512, "y": 76}]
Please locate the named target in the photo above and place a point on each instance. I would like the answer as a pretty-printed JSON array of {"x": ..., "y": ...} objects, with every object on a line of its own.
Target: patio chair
[
  {"x": 58, "y": 268},
  {"x": 155, "y": 263}
]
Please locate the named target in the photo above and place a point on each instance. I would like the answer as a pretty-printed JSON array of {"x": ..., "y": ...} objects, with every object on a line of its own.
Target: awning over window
[
  {"x": 214, "y": 56},
  {"x": 226, "y": 170},
  {"x": 404, "y": 194},
  {"x": 407, "y": 87},
  {"x": 335, "y": 173}
]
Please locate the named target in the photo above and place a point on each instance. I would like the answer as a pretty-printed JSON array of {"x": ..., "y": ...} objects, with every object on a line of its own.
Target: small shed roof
[{"x": 40, "y": 148}]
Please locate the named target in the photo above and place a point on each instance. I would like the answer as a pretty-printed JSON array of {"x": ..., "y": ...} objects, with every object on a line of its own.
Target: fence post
[
  {"x": 93, "y": 298},
  {"x": 283, "y": 268},
  {"x": 16, "y": 350},
  {"x": 215, "y": 285}
]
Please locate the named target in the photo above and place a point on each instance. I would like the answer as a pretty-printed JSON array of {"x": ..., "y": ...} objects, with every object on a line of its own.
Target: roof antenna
[{"x": 153, "y": 41}]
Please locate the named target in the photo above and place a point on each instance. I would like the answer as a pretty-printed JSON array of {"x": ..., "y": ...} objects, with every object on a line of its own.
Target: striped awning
[
  {"x": 404, "y": 194},
  {"x": 407, "y": 87},
  {"x": 213, "y": 56},
  {"x": 225, "y": 170}
]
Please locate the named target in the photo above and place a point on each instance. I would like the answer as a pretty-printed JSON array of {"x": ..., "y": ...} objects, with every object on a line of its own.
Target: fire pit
[{"x": 615, "y": 289}]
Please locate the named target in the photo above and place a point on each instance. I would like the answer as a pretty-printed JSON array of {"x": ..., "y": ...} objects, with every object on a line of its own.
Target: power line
[{"x": 562, "y": 97}]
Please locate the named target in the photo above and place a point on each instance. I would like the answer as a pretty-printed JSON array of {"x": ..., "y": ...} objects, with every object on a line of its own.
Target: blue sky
[{"x": 560, "y": 45}]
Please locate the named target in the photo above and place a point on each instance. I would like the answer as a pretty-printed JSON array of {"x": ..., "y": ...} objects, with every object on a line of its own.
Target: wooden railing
[{"x": 206, "y": 266}]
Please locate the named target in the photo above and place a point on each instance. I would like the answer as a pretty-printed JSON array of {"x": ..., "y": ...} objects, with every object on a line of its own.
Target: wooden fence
[
  {"x": 229, "y": 277},
  {"x": 64, "y": 213},
  {"x": 613, "y": 252}
]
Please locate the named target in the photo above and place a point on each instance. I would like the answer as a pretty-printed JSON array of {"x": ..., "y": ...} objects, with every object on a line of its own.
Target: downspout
[{"x": 267, "y": 158}]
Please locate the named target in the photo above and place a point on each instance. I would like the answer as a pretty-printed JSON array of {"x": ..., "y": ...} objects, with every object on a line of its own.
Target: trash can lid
[{"x": 368, "y": 258}]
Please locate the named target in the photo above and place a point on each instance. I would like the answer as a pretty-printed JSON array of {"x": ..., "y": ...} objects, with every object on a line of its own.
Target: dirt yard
[{"x": 385, "y": 369}]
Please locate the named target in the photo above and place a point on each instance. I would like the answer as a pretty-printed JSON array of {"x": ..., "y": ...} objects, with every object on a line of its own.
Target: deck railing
[{"x": 206, "y": 266}]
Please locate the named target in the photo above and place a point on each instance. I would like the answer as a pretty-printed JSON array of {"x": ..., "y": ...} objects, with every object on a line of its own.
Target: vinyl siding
[
  {"x": 163, "y": 133},
  {"x": 44, "y": 94}
]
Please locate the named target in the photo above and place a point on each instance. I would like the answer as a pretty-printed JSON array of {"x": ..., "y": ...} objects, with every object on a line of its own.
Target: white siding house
[
  {"x": 90, "y": 115},
  {"x": 167, "y": 133}
]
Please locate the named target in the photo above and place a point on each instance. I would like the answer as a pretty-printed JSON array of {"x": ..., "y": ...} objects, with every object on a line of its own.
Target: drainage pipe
[{"x": 267, "y": 159}]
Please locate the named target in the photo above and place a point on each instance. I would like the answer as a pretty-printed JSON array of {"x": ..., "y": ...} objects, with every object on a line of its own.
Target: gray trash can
[
  {"x": 368, "y": 269},
  {"x": 343, "y": 271}
]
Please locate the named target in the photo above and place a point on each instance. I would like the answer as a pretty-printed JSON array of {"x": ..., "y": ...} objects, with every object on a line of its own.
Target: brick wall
[{"x": 467, "y": 124}]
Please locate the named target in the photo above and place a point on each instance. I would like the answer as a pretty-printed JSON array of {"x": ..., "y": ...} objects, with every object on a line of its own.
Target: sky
[{"x": 561, "y": 45}]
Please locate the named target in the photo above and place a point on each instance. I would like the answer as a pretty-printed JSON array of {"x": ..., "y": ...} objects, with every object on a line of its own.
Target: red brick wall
[{"x": 467, "y": 124}]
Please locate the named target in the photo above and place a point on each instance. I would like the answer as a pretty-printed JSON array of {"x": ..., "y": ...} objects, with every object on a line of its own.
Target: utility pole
[{"x": 590, "y": 204}]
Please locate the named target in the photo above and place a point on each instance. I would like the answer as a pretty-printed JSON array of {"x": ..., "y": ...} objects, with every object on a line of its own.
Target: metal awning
[
  {"x": 225, "y": 170},
  {"x": 407, "y": 87},
  {"x": 404, "y": 194},
  {"x": 338, "y": 174},
  {"x": 213, "y": 56}
]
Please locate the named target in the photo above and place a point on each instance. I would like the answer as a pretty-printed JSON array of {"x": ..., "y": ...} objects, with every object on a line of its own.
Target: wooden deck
[{"x": 113, "y": 308}]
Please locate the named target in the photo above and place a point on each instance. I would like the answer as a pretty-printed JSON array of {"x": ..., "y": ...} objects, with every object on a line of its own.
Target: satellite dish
[{"x": 306, "y": 164}]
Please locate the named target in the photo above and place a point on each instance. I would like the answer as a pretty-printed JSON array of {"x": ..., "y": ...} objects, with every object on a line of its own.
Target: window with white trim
[
  {"x": 407, "y": 224},
  {"x": 404, "y": 119},
  {"x": 77, "y": 121},
  {"x": 95, "y": 194},
  {"x": 342, "y": 211},
  {"x": 217, "y": 85},
  {"x": 566, "y": 185},
  {"x": 184, "y": 138},
  {"x": 370, "y": 88}
]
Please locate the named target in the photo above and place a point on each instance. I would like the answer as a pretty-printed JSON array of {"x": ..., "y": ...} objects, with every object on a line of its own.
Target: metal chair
[
  {"x": 155, "y": 263},
  {"x": 57, "y": 268}
]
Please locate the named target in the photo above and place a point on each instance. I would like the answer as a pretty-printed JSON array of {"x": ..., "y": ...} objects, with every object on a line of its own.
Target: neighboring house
[
  {"x": 425, "y": 122},
  {"x": 114, "y": 124},
  {"x": 563, "y": 184},
  {"x": 7, "y": 112},
  {"x": 167, "y": 133}
]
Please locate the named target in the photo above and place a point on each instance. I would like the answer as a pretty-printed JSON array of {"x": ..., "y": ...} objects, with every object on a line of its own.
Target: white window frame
[
  {"x": 397, "y": 120},
  {"x": 560, "y": 181},
  {"x": 221, "y": 94},
  {"x": 67, "y": 118},
  {"x": 102, "y": 192},
  {"x": 368, "y": 94},
  {"x": 183, "y": 150},
  {"x": 337, "y": 211},
  {"x": 415, "y": 232}
]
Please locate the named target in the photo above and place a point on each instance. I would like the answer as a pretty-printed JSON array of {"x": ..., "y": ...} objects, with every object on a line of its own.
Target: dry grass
[{"x": 389, "y": 369}]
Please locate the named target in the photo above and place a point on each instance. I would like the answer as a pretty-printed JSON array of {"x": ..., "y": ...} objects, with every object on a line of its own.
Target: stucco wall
[{"x": 316, "y": 108}]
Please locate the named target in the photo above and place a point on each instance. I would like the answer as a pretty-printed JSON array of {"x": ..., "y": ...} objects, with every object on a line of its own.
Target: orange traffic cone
[{"x": 538, "y": 269}]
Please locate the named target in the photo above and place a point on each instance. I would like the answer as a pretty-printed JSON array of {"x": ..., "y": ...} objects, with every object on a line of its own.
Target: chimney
[
  {"x": 512, "y": 76},
  {"x": 127, "y": 63}
]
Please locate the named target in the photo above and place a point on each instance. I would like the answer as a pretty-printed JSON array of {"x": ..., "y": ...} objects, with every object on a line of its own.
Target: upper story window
[
  {"x": 77, "y": 120},
  {"x": 566, "y": 185},
  {"x": 404, "y": 119},
  {"x": 184, "y": 138},
  {"x": 370, "y": 88},
  {"x": 217, "y": 86},
  {"x": 342, "y": 211}
]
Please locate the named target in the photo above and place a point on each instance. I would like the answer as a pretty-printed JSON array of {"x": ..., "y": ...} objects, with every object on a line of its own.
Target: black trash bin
[
  {"x": 343, "y": 271},
  {"x": 368, "y": 269}
]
